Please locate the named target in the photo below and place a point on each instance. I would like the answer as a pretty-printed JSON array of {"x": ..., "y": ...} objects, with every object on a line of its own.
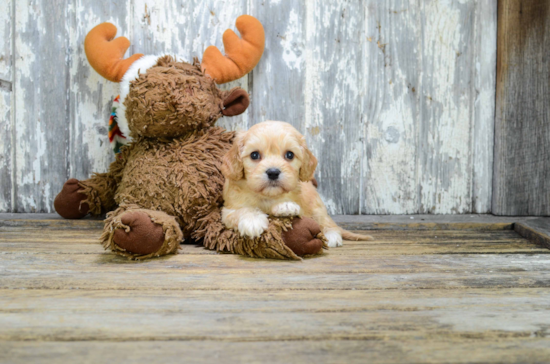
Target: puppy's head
[{"x": 272, "y": 157}]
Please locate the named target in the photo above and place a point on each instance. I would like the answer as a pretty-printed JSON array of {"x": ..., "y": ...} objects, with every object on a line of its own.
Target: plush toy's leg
[
  {"x": 285, "y": 238},
  {"x": 78, "y": 198},
  {"x": 305, "y": 237},
  {"x": 70, "y": 202},
  {"x": 139, "y": 233}
]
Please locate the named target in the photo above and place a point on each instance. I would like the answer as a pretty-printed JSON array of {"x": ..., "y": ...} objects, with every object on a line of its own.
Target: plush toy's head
[{"x": 163, "y": 97}]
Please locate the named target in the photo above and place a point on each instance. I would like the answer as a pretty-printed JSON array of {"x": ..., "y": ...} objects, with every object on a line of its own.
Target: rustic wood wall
[
  {"x": 396, "y": 97},
  {"x": 522, "y": 140}
]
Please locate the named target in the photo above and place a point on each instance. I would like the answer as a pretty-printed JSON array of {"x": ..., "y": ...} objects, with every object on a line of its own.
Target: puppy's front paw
[
  {"x": 286, "y": 209},
  {"x": 253, "y": 225},
  {"x": 334, "y": 238}
]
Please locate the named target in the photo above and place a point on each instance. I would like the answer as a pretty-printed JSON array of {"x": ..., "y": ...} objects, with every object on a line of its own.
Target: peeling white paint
[
  {"x": 398, "y": 106},
  {"x": 5, "y": 152},
  {"x": 290, "y": 42}
]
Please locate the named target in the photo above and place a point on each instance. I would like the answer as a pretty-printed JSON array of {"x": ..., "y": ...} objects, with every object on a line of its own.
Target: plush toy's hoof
[
  {"x": 302, "y": 238},
  {"x": 68, "y": 202},
  {"x": 144, "y": 236}
]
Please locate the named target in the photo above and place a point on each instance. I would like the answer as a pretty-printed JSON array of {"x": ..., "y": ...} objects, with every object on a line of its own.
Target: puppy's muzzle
[{"x": 273, "y": 173}]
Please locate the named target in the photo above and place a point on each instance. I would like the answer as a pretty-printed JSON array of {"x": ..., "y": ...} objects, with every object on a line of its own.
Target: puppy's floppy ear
[
  {"x": 232, "y": 163},
  {"x": 309, "y": 163}
]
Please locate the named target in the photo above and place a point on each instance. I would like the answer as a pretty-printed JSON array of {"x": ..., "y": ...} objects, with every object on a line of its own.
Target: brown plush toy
[{"x": 165, "y": 184}]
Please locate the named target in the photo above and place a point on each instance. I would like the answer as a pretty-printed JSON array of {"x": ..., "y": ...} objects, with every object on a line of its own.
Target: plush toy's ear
[
  {"x": 232, "y": 163},
  {"x": 309, "y": 163},
  {"x": 236, "y": 102}
]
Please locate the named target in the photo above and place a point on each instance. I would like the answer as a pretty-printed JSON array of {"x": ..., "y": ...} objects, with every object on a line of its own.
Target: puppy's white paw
[
  {"x": 253, "y": 225},
  {"x": 286, "y": 209},
  {"x": 334, "y": 238}
]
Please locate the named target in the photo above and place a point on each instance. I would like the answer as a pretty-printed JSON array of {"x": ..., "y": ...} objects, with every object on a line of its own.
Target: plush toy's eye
[
  {"x": 289, "y": 155},
  {"x": 255, "y": 155}
]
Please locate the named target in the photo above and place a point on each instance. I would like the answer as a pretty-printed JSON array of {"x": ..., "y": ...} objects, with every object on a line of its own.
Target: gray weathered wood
[
  {"x": 387, "y": 351},
  {"x": 279, "y": 80},
  {"x": 536, "y": 230},
  {"x": 408, "y": 296},
  {"x": 446, "y": 113},
  {"x": 41, "y": 91},
  {"x": 484, "y": 61},
  {"x": 395, "y": 97},
  {"x": 90, "y": 94},
  {"x": 522, "y": 130},
  {"x": 334, "y": 89},
  {"x": 422, "y": 114},
  {"x": 6, "y": 99},
  {"x": 392, "y": 70},
  {"x": 268, "y": 315}
]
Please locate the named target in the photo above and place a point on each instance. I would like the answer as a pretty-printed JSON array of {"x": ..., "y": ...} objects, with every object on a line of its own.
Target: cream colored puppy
[{"x": 268, "y": 171}]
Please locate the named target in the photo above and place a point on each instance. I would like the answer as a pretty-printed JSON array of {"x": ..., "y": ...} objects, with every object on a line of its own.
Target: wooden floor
[{"x": 415, "y": 296}]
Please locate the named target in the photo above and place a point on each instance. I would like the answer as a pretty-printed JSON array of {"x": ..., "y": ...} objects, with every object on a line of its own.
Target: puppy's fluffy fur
[{"x": 250, "y": 195}]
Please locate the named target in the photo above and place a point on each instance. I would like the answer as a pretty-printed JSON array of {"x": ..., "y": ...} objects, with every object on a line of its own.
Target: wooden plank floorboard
[
  {"x": 408, "y": 296},
  {"x": 269, "y": 316},
  {"x": 249, "y": 280},
  {"x": 534, "y": 350},
  {"x": 379, "y": 249},
  {"x": 106, "y": 263}
]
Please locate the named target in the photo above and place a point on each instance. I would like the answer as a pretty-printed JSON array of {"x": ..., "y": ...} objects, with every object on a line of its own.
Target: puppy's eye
[
  {"x": 289, "y": 155},
  {"x": 255, "y": 155}
]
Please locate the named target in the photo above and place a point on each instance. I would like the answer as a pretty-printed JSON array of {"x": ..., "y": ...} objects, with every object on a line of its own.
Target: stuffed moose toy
[{"x": 165, "y": 185}]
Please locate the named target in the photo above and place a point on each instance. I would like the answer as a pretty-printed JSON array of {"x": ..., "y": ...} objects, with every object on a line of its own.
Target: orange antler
[
  {"x": 242, "y": 54},
  {"x": 105, "y": 54}
]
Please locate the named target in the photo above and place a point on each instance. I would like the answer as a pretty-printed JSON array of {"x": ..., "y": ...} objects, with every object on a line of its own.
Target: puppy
[{"x": 268, "y": 171}]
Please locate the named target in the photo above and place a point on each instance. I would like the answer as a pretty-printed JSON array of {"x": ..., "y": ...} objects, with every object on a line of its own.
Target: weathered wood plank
[
  {"x": 344, "y": 75},
  {"x": 483, "y": 98},
  {"x": 350, "y": 305},
  {"x": 382, "y": 237},
  {"x": 326, "y": 351},
  {"x": 279, "y": 80},
  {"x": 387, "y": 244},
  {"x": 447, "y": 113},
  {"x": 90, "y": 94},
  {"x": 6, "y": 130},
  {"x": 391, "y": 108},
  {"x": 522, "y": 130},
  {"x": 6, "y": 104},
  {"x": 537, "y": 231},
  {"x": 41, "y": 97},
  {"x": 334, "y": 84},
  {"x": 6, "y": 41},
  {"x": 185, "y": 29},
  {"x": 22, "y": 301},
  {"x": 91, "y": 246},
  {"x": 463, "y": 226},
  {"x": 420, "y": 111},
  {"x": 230, "y": 272},
  {"x": 265, "y": 315},
  {"x": 350, "y": 259}
]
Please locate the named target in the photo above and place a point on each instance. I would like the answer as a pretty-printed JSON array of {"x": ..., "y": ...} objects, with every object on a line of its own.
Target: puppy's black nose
[{"x": 273, "y": 173}]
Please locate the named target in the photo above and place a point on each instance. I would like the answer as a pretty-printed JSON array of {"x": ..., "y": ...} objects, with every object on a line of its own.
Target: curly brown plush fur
[
  {"x": 169, "y": 175},
  {"x": 174, "y": 91}
]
